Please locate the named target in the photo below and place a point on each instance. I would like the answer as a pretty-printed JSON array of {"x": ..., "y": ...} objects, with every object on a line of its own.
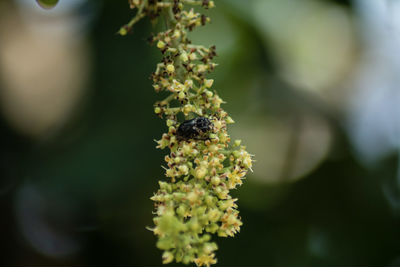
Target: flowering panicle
[{"x": 194, "y": 202}]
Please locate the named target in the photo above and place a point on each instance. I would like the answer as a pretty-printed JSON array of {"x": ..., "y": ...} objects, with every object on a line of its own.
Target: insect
[{"x": 194, "y": 129}]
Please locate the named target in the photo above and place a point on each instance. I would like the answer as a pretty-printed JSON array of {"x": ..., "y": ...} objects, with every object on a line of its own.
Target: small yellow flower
[
  {"x": 184, "y": 56},
  {"x": 229, "y": 120},
  {"x": 183, "y": 169},
  {"x": 192, "y": 56},
  {"x": 123, "y": 31},
  {"x": 205, "y": 260},
  {"x": 167, "y": 257},
  {"x": 200, "y": 172},
  {"x": 160, "y": 44},
  {"x": 181, "y": 95},
  {"x": 208, "y": 83},
  {"x": 170, "y": 68},
  {"x": 187, "y": 109},
  {"x": 177, "y": 34},
  {"x": 157, "y": 110}
]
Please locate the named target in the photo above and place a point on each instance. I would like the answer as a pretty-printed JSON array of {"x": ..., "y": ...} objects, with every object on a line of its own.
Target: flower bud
[
  {"x": 212, "y": 228},
  {"x": 123, "y": 31},
  {"x": 229, "y": 120},
  {"x": 237, "y": 142},
  {"x": 176, "y": 34},
  {"x": 192, "y": 197},
  {"x": 184, "y": 169},
  {"x": 209, "y": 248},
  {"x": 184, "y": 56},
  {"x": 236, "y": 154},
  {"x": 170, "y": 123},
  {"x": 181, "y": 95},
  {"x": 189, "y": 83},
  {"x": 170, "y": 68},
  {"x": 187, "y": 109},
  {"x": 181, "y": 210},
  {"x": 167, "y": 257},
  {"x": 214, "y": 215},
  {"x": 217, "y": 125},
  {"x": 192, "y": 56},
  {"x": 160, "y": 44},
  {"x": 208, "y": 83},
  {"x": 215, "y": 180},
  {"x": 200, "y": 172},
  {"x": 208, "y": 93}
]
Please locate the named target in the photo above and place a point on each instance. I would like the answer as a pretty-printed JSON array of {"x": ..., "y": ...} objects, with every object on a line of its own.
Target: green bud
[
  {"x": 214, "y": 215},
  {"x": 123, "y": 31},
  {"x": 200, "y": 172},
  {"x": 160, "y": 44},
  {"x": 225, "y": 204},
  {"x": 215, "y": 180},
  {"x": 181, "y": 210},
  {"x": 209, "y": 93},
  {"x": 212, "y": 228},
  {"x": 194, "y": 225},
  {"x": 237, "y": 142},
  {"x": 236, "y": 154},
  {"x": 184, "y": 57},
  {"x": 222, "y": 233},
  {"x": 170, "y": 68},
  {"x": 170, "y": 123},
  {"x": 208, "y": 83},
  {"x": 209, "y": 248},
  {"x": 167, "y": 257},
  {"x": 181, "y": 95},
  {"x": 165, "y": 186},
  {"x": 213, "y": 136},
  {"x": 164, "y": 244},
  {"x": 229, "y": 120},
  {"x": 184, "y": 169}
]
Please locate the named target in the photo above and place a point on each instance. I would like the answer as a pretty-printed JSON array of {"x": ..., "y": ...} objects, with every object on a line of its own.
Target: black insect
[{"x": 194, "y": 129}]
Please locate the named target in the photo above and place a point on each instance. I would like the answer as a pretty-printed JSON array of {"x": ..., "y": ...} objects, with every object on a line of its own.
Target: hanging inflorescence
[{"x": 203, "y": 164}]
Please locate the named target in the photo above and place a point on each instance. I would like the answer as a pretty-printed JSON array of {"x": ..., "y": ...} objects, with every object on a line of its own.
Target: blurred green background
[{"x": 311, "y": 84}]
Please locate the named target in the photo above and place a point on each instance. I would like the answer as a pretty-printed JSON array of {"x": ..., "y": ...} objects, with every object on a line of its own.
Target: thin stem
[
  {"x": 193, "y": 2},
  {"x": 167, "y": 100},
  {"x": 139, "y": 15},
  {"x": 189, "y": 2},
  {"x": 175, "y": 44}
]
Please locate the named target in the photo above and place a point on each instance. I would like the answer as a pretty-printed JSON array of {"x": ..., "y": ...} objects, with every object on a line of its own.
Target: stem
[
  {"x": 189, "y": 2},
  {"x": 139, "y": 15},
  {"x": 192, "y": 2},
  {"x": 170, "y": 18},
  {"x": 167, "y": 100}
]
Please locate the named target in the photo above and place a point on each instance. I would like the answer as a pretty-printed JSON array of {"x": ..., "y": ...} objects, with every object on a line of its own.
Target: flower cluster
[{"x": 194, "y": 202}]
